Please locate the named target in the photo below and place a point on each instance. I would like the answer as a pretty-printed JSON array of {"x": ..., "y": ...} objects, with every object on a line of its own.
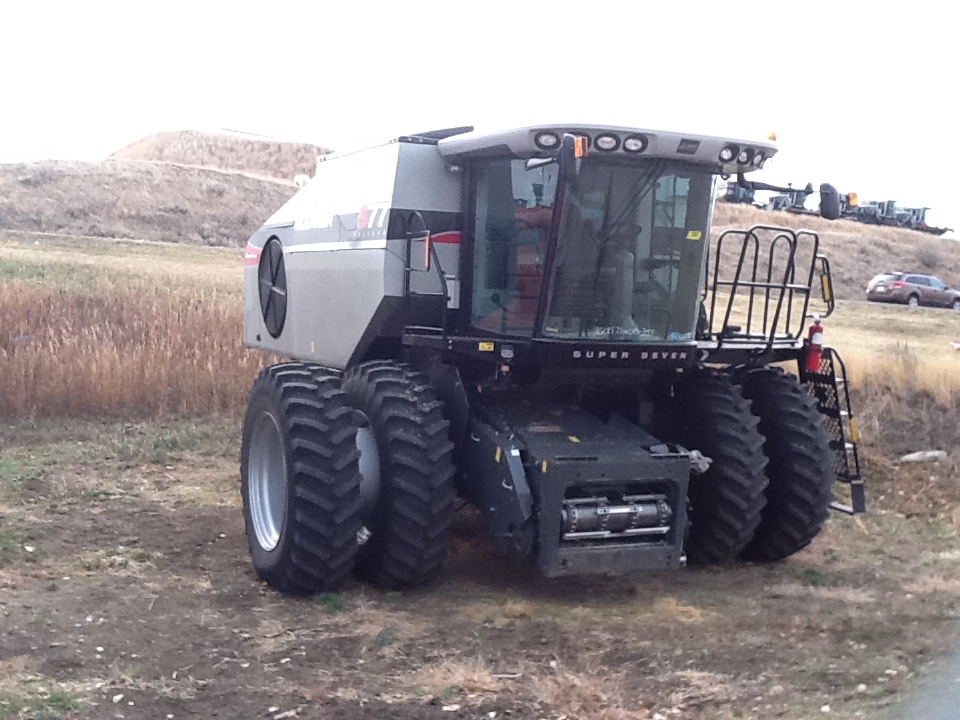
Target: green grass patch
[
  {"x": 15, "y": 473},
  {"x": 51, "y": 706},
  {"x": 333, "y": 602},
  {"x": 819, "y": 578},
  {"x": 386, "y": 637}
]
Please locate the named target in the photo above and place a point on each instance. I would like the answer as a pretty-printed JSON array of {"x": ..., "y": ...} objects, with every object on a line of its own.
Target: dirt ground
[{"x": 126, "y": 591}]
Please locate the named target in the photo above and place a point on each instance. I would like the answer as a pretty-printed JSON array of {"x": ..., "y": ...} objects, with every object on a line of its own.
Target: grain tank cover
[
  {"x": 326, "y": 274},
  {"x": 722, "y": 155}
]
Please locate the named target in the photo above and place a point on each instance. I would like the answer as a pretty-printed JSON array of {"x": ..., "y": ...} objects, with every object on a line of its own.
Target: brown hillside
[
  {"x": 857, "y": 252},
  {"x": 265, "y": 158},
  {"x": 147, "y": 201}
]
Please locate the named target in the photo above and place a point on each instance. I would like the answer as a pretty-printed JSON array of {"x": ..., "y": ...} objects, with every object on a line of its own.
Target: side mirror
[
  {"x": 829, "y": 202},
  {"x": 572, "y": 151}
]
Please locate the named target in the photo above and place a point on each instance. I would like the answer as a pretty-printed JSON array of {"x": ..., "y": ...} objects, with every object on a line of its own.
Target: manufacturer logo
[
  {"x": 601, "y": 354},
  {"x": 625, "y": 354}
]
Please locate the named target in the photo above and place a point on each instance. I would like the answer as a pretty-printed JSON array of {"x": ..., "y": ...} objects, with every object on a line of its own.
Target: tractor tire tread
[
  {"x": 319, "y": 540},
  {"x": 409, "y": 543},
  {"x": 727, "y": 500},
  {"x": 800, "y": 468}
]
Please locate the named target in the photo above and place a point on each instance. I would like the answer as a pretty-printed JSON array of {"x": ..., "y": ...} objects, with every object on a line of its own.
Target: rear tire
[
  {"x": 409, "y": 517},
  {"x": 913, "y": 301},
  {"x": 801, "y": 464},
  {"x": 726, "y": 501},
  {"x": 300, "y": 480},
  {"x": 956, "y": 305}
]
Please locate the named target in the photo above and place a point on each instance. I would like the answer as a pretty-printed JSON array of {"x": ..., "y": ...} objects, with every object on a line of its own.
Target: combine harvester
[{"x": 536, "y": 321}]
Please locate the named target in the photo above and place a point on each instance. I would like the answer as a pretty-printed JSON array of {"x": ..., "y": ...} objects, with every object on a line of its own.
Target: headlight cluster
[
  {"x": 604, "y": 142},
  {"x": 744, "y": 156}
]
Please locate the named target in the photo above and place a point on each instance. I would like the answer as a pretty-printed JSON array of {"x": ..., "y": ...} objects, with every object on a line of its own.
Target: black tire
[
  {"x": 299, "y": 442},
  {"x": 801, "y": 467},
  {"x": 410, "y": 518},
  {"x": 726, "y": 501},
  {"x": 913, "y": 301},
  {"x": 956, "y": 305}
]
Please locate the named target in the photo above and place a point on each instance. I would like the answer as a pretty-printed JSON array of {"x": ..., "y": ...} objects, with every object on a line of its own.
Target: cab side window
[{"x": 513, "y": 212}]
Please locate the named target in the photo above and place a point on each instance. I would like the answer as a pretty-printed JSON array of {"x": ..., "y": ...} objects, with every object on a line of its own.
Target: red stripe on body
[
  {"x": 251, "y": 255},
  {"x": 450, "y": 237}
]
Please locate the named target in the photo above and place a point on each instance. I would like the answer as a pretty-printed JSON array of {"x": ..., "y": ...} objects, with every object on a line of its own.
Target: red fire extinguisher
[{"x": 814, "y": 347}]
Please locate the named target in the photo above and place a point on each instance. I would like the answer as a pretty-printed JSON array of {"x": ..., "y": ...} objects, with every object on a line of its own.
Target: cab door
[{"x": 512, "y": 212}]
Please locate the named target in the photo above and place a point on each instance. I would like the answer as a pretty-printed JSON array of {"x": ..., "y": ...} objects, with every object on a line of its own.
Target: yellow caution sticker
[
  {"x": 486, "y": 347},
  {"x": 498, "y": 454},
  {"x": 854, "y": 433},
  {"x": 694, "y": 235},
  {"x": 573, "y": 438},
  {"x": 543, "y": 466}
]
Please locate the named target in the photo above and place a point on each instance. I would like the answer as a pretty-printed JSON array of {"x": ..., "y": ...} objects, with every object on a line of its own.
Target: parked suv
[{"x": 913, "y": 289}]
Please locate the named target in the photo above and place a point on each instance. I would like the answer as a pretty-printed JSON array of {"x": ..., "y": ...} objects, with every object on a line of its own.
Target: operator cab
[{"x": 611, "y": 251}]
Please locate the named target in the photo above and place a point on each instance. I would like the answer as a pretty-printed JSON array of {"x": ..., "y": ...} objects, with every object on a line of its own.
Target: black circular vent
[{"x": 273, "y": 286}]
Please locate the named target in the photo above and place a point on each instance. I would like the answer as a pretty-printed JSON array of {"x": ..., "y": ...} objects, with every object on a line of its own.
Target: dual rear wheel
[{"x": 341, "y": 476}]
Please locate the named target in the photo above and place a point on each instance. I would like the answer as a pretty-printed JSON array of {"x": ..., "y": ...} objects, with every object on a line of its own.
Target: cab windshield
[{"x": 630, "y": 253}]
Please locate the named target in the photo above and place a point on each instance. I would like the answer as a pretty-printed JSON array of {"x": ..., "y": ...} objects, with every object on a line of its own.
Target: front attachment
[{"x": 579, "y": 494}]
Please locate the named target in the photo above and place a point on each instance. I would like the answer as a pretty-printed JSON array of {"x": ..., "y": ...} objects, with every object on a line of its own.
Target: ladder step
[
  {"x": 849, "y": 446},
  {"x": 840, "y": 507},
  {"x": 844, "y": 413}
]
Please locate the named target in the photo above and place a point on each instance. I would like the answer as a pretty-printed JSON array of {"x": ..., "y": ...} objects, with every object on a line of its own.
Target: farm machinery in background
[
  {"x": 787, "y": 199},
  {"x": 888, "y": 212},
  {"x": 537, "y": 322},
  {"x": 793, "y": 200}
]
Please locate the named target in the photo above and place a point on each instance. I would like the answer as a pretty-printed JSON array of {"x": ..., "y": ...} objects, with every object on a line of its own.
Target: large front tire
[
  {"x": 801, "y": 467},
  {"x": 300, "y": 480},
  {"x": 408, "y": 478},
  {"x": 726, "y": 501}
]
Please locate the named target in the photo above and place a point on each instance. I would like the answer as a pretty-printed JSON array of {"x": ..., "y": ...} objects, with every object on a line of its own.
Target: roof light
[
  {"x": 757, "y": 160},
  {"x": 744, "y": 157},
  {"x": 607, "y": 142},
  {"x": 728, "y": 153},
  {"x": 772, "y": 136},
  {"x": 546, "y": 140},
  {"x": 635, "y": 143}
]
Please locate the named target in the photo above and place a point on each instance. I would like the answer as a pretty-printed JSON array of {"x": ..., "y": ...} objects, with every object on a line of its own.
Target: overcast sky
[{"x": 859, "y": 95}]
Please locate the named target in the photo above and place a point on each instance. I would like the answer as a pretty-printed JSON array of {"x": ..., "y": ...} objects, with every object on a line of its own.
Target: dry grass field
[
  {"x": 126, "y": 588},
  {"x": 104, "y": 327}
]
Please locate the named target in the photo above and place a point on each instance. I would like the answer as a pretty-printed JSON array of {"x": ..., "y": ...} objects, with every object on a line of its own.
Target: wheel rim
[
  {"x": 913, "y": 302},
  {"x": 267, "y": 481},
  {"x": 369, "y": 471}
]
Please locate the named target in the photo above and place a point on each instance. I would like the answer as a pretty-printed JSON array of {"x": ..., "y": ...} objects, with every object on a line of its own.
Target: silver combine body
[{"x": 345, "y": 236}]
